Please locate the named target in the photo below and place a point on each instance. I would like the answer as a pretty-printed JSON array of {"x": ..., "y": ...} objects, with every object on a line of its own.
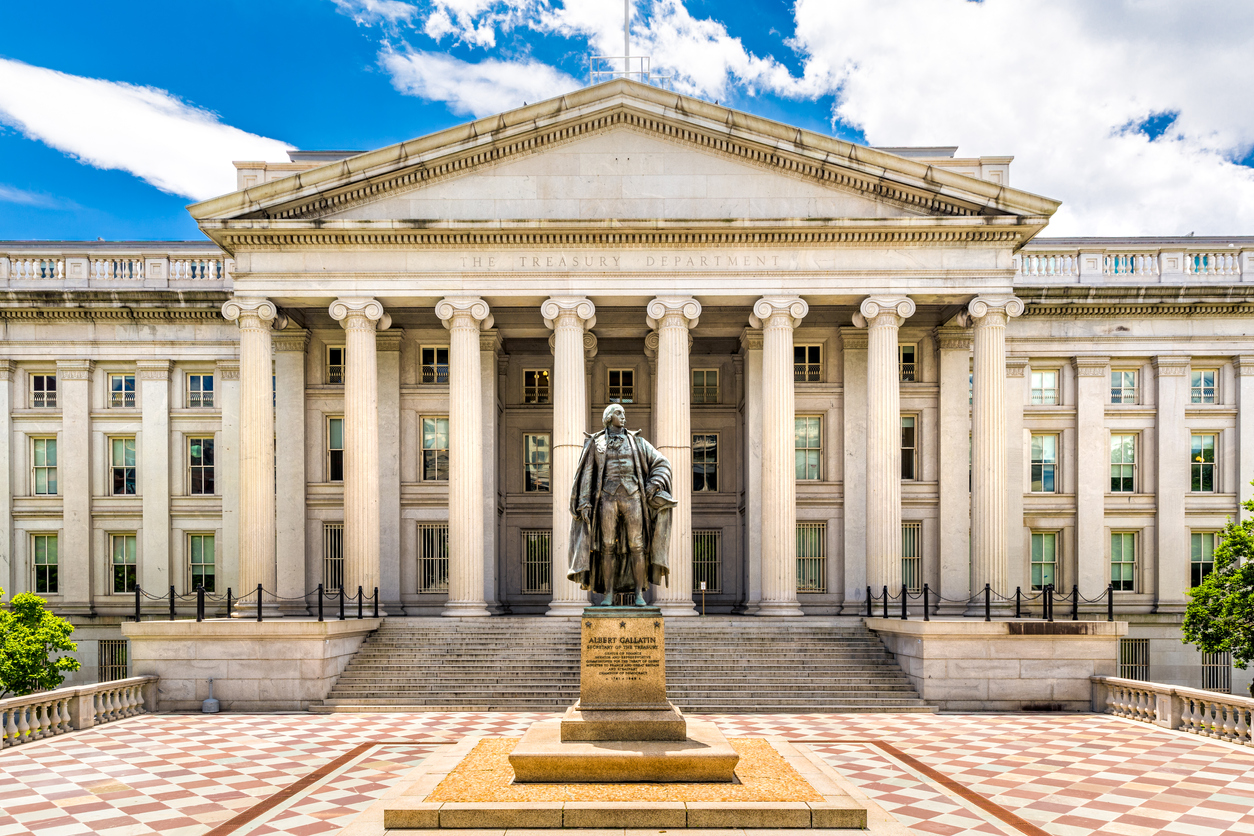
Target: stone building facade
[{"x": 865, "y": 364}]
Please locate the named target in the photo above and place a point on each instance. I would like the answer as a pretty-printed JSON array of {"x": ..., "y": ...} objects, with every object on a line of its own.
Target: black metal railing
[
  {"x": 1040, "y": 602},
  {"x": 253, "y": 603}
]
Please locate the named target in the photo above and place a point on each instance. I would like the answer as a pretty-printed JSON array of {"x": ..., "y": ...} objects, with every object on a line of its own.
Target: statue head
[{"x": 614, "y": 414}]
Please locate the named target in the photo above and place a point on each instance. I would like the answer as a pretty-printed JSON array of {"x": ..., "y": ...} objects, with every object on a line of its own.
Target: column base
[
  {"x": 676, "y": 609},
  {"x": 779, "y": 609},
  {"x": 465, "y": 609},
  {"x": 566, "y": 609}
]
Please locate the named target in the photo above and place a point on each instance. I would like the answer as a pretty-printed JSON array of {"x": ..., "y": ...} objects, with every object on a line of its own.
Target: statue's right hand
[{"x": 585, "y": 514}]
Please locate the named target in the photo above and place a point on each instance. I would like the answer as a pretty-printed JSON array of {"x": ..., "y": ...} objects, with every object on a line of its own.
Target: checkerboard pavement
[{"x": 189, "y": 775}]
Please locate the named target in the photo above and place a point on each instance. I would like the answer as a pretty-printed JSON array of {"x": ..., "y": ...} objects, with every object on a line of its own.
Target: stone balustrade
[
  {"x": 1205, "y": 713},
  {"x": 113, "y": 266},
  {"x": 1139, "y": 261},
  {"x": 50, "y": 713}
]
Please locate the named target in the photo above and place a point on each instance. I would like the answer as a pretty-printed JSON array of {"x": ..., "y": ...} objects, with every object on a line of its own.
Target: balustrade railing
[
  {"x": 50, "y": 713},
  {"x": 1049, "y": 264},
  {"x": 149, "y": 268},
  {"x": 1118, "y": 263},
  {"x": 1204, "y": 713}
]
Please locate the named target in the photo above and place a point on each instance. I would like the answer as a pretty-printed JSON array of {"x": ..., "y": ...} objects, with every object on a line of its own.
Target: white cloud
[
  {"x": 12, "y": 194},
  {"x": 370, "y": 12},
  {"x": 148, "y": 132},
  {"x": 478, "y": 89}
]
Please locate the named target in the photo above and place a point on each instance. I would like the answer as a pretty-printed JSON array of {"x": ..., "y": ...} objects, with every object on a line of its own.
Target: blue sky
[{"x": 1133, "y": 112}]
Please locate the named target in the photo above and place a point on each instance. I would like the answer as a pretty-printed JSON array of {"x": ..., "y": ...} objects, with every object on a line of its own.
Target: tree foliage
[
  {"x": 29, "y": 636},
  {"x": 1220, "y": 615}
]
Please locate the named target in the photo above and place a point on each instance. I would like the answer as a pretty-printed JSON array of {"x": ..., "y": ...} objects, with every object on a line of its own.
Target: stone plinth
[{"x": 622, "y": 659}]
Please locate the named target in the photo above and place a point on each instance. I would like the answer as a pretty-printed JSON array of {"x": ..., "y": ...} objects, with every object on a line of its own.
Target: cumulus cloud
[
  {"x": 146, "y": 131},
  {"x": 370, "y": 12},
  {"x": 478, "y": 89}
]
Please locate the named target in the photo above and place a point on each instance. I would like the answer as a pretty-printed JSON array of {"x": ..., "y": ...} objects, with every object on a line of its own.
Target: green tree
[
  {"x": 29, "y": 635},
  {"x": 1220, "y": 615}
]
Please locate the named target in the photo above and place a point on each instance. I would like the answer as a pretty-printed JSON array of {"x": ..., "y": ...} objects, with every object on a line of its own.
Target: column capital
[
  {"x": 853, "y": 339},
  {"x": 454, "y": 308},
  {"x": 751, "y": 340},
  {"x": 982, "y": 306},
  {"x": 770, "y": 307},
  {"x": 390, "y": 340},
  {"x": 950, "y": 338},
  {"x": 1243, "y": 365},
  {"x": 153, "y": 369},
  {"x": 360, "y": 311},
  {"x": 291, "y": 339},
  {"x": 663, "y": 307},
  {"x": 556, "y": 307},
  {"x": 74, "y": 369},
  {"x": 900, "y": 308},
  {"x": 1171, "y": 365},
  {"x": 228, "y": 369},
  {"x": 7, "y": 367},
  {"x": 242, "y": 308},
  {"x": 1016, "y": 365},
  {"x": 1090, "y": 365},
  {"x": 490, "y": 340}
]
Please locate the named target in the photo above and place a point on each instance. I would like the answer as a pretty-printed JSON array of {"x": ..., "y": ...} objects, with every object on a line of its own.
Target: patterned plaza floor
[{"x": 189, "y": 775}]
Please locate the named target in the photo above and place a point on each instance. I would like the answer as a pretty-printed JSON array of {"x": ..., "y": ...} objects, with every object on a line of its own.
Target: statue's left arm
[{"x": 657, "y": 475}]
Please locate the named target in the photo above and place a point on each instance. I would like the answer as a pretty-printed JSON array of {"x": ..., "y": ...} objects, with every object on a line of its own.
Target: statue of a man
[{"x": 621, "y": 504}]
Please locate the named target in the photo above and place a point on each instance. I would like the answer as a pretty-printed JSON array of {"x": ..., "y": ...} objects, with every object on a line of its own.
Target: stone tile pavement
[{"x": 195, "y": 775}]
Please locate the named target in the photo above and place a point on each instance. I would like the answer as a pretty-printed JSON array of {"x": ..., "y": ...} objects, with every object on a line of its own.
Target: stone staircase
[{"x": 714, "y": 665}]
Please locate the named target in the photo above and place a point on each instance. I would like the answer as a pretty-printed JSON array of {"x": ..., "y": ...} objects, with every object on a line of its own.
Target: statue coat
[{"x": 653, "y": 471}]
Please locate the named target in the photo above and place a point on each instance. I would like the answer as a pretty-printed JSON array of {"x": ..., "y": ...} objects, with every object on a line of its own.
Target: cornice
[
  {"x": 1090, "y": 365},
  {"x": 854, "y": 339},
  {"x": 1171, "y": 365},
  {"x": 228, "y": 369},
  {"x": 950, "y": 338},
  {"x": 1114, "y": 310},
  {"x": 290, "y": 339},
  {"x": 153, "y": 369},
  {"x": 74, "y": 369},
  {"x": 109, "y": 314},
  {"x": 1016, "y": 365}
]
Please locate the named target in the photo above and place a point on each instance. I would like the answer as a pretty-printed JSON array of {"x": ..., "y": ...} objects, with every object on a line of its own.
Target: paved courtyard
[{"x": 190, "y": 775}]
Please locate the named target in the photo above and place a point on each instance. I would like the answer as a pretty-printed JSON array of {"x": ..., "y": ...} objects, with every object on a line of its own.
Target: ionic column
[
  {"x": 884, "y": 316},
  {"x": 672, "y": 318},
  {"x": 777, "y": 317},
  {"x": 359, "y": 316},
  {"x": 256, "y": 443},
  {"x": 989, "y": 504},
  {"x": 464, "y": 317}
]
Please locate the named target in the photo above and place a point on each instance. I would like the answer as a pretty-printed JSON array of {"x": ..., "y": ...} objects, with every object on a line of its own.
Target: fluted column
[
  {"x": 256, "y": 442},
  {"x": 884, "y": 316},
  {"x": 777, "y": 317},
  {"x": 570, "y": 318},
  {"x": 464, "y": 317},
  {"x": 672, "y": 317},
  {"x": 989, "y": 506}
]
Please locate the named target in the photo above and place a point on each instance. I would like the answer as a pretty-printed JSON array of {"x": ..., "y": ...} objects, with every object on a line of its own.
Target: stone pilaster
[
  {"x": 1092, "y": 472},
  {"x": 1243, "y": 367},
  {"x": 290, "y": 346},
  {"x": 74, "y": 481},
  {"x": 672, "y": 318},
  {"x": 778, "y": 317},
  {"x": 571, "y": 319},
  {"x": 464, "y": 318},
  {"x": 154, "y": 473},
  {"x": 955, "y": 444},
  {"x": 227, "y": 466},
  {"x": 388, "y": 344},
  {"x": 1174, "y": 478},
  {"x": 751, "y": 413},
  {"x": 853, "y": 346},
  {"x": 7, "y": 578},
  {"x": 489, "y": 348}
]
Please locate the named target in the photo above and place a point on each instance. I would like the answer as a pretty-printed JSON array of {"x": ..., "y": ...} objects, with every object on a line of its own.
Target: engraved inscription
[{"x": 629, "y": 659}]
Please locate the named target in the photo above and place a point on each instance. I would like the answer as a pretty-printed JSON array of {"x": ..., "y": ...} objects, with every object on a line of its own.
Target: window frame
[
  {"x": 1126, "y": 538},
  {"x": 537, "y": 392},
  {"x": 126, "y": 538},
  {"x": 1038, "y": 392},
  {"x": 114, "y": 467},
  {"x": 1197, "y": 391},
  {"x": 423, "y": 449},
  {"x": 205, "y": 469},
  {"x": 912, "y": 564},
  {"x": 624, "y": 389},
  {"x": 49, "y": 469},
  {"x": 705, "y": 462},
  {"x": 811, "y": 532},
  {"x": 1043, "y": 463},
  {"x": 914, "y": 448},
  {"x": 1198, "y": 469},
  {"x": 534, "y": 484},
  {"x": 196, "y": 397},
  {"x": 908, "y": 370},
  {"x": 704, "y": 389},
  {"x": 191, "y": 537},
  {"x": 331, "y": 460},
  {"x": 38, "y": 395},
  {"x": 1033, "y": 562},
  {"x": 114, "y": 393},
  {"x": 810, "y": 369},
  {"x": 335, "y": 371},
  {"x": 1129, "y": 467},
  {"x": 1197, "y": 568},
  {"x": 1123, "y": 388},
  {"x": 53, "y": 588},
  {"x": 439, "y": 372},
  {"x": 818, "y": 450}
]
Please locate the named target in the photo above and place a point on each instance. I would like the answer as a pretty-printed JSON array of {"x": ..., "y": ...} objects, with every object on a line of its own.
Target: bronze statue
[{"x": 621, "y": 504}]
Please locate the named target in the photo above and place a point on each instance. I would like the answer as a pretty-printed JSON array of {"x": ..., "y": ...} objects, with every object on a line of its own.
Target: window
[
  {"x": 1123, "y": 387},
  {"x": 1202, "y": 556},
  {"x": 537, "y": 563},
  {"x": 335, "y": 449},
  {"x": 912, "y": 556},
  {"x": 1044, "y": 559},
  {"x": 112, "y": 660},
  {"x": 200, "y": 391},
  {"x": 811, "y": 557},
  {"x": 200, "y": 466},
  {"x": 43, "y": 466},
  {"x": 1044, "y": 388},
  {"x": 1202, "y": 386},
  {"x": 536, "y": 451},
  {"x": 621, "y": 386},
  {"x": 706, "y": 559},
  {"x": 44, "y": 548},
  {"x": 705, "y": 386},
  {"x": 335, "y": 364},
  {"x": 1123, "y": 561},
  {"x": 909, "y": 460},
  {"x": 807, "y": 436},
  {"x": 434, "y": 364},
  {"x": 1217, "y": 672},
  {"x": 432, "y": 557},
  {"x": 1044, "y": 463},
  {"x": 122, "y": 465},
  {"x": 121, "y": 391},
  {"x": 906, "y": 364},
  {"x": 201, "y": 562},
  {"x": 705, "y": 461},
  {"x": 807, "y": 363},
  {"x": 435, "y": 449},
  {"x": 1122, "y": 463},
  {"x": 332, "y": 556},
  {"x": 1134, "y": 659},
  {"x": 536, "y": 386},
  {"x": 1202, "y": 464},
  {"x": 122, "y": 547},
  {"x": 43, "y": 391}
]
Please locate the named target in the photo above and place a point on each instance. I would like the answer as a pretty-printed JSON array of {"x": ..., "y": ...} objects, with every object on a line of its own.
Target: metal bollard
[
  {"x": 229, "y": 602},
  {"x": 359, "y": 603},
  {"x": 258, "y": 602},
  {"x": 1049, "y": 602},
  {"x": 341, "y": 602},
  {"x": 988, "y": 603},
  {"x": 869, "y": 600},
  {"x": 1018, "y": 601},
  {"x": 376, "y": 602},
  {"x": 926, "y": 605},
  {"x": 200, "y": 602},
  {"x": 886, "y": 601},
  {"x": 1110, "y": 602},
  {"x": 137, "y": 605},
  {"x": 905, "y": 597},
  {"x": 1075, "y": 603},
  {"x": 319, "y": 602},
  {"x": 171, "y": 603}
]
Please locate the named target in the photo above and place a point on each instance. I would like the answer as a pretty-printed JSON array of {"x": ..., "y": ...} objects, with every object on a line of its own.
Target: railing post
[
  {"x": 1075, "y": 603},
  {"x": 319, "y": 602},
  {"x": 1110, "y": 602},
  {"x": 171, "y": 603},
  {"x": 200, "y": 602},
  {"x": 905, "y": 597},
  {"x": 137, "y": 603},
  {"x": 1049, "y": 602},
  {"x": 376, "y": 602},
  {"x": 359, "y": 603},
  {"x": 926, "y": 615},
  {"x": 230, "y": 602},
  {"x": 988, "y": 603},
  {"x": 886, "y": 601},
  {"x": 341, "y": 601},
  {"x": 258, "y": 602},
  {"x": 868, "y": 602},
  {"x": 1018, "y": 602}
]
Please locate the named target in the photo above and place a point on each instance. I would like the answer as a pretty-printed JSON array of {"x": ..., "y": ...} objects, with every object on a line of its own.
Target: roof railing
[{"x": 639, "y": 68}]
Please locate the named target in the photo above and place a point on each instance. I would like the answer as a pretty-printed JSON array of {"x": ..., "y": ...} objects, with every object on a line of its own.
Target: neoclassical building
[{"x": 866, "y": 366}]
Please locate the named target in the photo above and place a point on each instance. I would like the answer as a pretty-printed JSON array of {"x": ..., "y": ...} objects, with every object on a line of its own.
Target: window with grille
[
  {"x": 200, "y": 466},
  {"x": 808, "y": 441},
  {"x": 122, "y": 549},
  {"x": 112, "y": 660},
  {"x": 707, "y": 559},
  {"x": 811, "y": 557},
  {"x": 1202, "y": 464},
  {"x": 43, "y": 391},
  {"x": 1122, "y": 463},
  {"x": 335, "y": 449},
  {"x": 122, "y": 466},
  {"x": 909, "y": 449},
  {"x": 434, "y": 364},
  {"x": 1044, "y": 463},
  {"x": 907, "y": 364},
  {"x": 1202, "y": 386},
  {"x": 807, "y": 363},
  {"x": 1044, "y": 388},
  {"x": 202, "y": 568},
  {"x": 332, "y": 556},
  {"x": 1123, "y": 561},
  {"x": 620, "y": 386},
  {"x": 200, "y": 391},
  {"x": 912, "y": 556},
  {"x": 1123, "y": 387},
  {"x": 1044, "y": 559},
  {"x": 536, "y": 462},
  {"x": 43, "y": 466},
  {"x": 705, "y": 461},
  {"x": 44, "y": 552},
  {"x": 121, "y": 391},
  {"x": 335, "y": 364},
  {"x": 537, "y": 561},
  {"x": 1217, "y": 672},
  {"x": 704, "y": 386},
  {"x": 536, "y": 386},
  {"x": 1202, "y": 555},
  {"x": 433, "y": 557},
  {"x": 435, "y": 449},
  {"x": 1134, "y": 659}
]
